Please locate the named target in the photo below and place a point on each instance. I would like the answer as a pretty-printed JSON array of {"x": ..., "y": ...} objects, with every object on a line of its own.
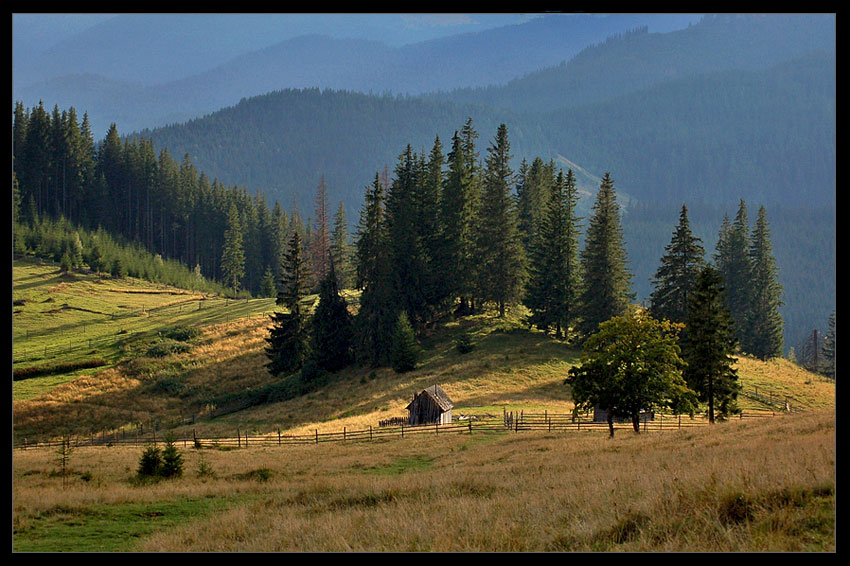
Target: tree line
[
  {"x": 452, "y": 234},
  {"x": 127, "y": 189},
  {"x": 448, "y": 233}
]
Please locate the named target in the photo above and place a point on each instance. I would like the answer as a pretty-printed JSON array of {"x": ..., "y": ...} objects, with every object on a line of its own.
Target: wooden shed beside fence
[{"x": 430, "y": 406}]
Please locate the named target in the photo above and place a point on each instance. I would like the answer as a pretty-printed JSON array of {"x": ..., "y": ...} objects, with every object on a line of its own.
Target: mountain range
[
  {"x": 150, "y": 70},
  {"x": 680, "y": 109}
]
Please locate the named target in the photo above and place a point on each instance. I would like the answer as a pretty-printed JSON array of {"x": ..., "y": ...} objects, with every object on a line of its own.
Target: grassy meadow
[{"x": 744, "y": 485}]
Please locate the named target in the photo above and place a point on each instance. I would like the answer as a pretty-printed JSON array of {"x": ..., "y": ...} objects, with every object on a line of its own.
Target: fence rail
[{"x": 511, "y": 422}]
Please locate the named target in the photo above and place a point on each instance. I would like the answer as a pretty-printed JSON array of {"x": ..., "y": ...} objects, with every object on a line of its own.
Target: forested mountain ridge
[
  {"x": 145, "y": 96},
  {"x": 707, "y": 137},
  {"x": 638, "y": 59}
]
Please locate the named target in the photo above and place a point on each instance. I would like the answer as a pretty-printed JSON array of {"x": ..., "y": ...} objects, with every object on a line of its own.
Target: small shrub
[
  {"x": 736, "y": 508},
  {"x": 463, "y": 344},
  {"x": 261, "y": 475},
  {"x": 168, "y": 386},
  {"x": 204, "y": 470},
  {"x": 155, "y": 463},
  {"x": 172, "y": 460},
  {"x": 149, "y": 463},
  {"x": 166, "y": 348},
  {"x": 181, "y": 333}
]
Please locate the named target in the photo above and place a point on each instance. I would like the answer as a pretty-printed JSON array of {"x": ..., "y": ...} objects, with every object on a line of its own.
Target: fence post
[
  {"x": 470, "y": 425},
  {"x": 370, "y": 433},
  {"x": 680, "y": 422},
  {"x": 343, "y": 434},
  {"x": 317, "y": 436},
  {"x": 238, "y": 438},
  {"x": 278, "y": 437}
]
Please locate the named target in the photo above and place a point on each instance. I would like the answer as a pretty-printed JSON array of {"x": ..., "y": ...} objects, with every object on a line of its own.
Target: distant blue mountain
[{"x": 149, "y": 70}]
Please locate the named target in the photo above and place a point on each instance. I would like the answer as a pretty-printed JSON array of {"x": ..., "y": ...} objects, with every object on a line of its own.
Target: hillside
[
  {"x": 156, "y": 376},
  {"x": 718, "y": 488}
]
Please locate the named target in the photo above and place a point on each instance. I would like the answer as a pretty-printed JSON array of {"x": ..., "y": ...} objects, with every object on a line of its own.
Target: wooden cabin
[{"x": 430, "y": 406}]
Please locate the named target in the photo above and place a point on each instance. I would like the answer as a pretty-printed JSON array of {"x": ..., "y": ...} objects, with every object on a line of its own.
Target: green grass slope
[{"x": 146, "y": 367}]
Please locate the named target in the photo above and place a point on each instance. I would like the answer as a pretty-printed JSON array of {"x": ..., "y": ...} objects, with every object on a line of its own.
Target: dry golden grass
[{"x": 752, "y": 485}]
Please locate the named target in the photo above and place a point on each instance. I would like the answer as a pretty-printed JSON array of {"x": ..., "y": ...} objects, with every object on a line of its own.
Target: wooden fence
[
  {"x": 511, "y": 422},
  {"x": 552, "y": 422}
]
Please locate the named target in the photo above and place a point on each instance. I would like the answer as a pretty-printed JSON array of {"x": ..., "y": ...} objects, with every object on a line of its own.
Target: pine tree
[
  {"x": 458, "y": 205},
  {"x": 332, "y": 326},
  {"x": 406, "y": 252},
  {"x": 404, "y": 349},
  {"x": 764, "y": 335},
  {"x": 267, "y": 288},
  {"x": 341, "y": 251},
  {"x": 320, "y": 241},
  {"x": 499, "y": 255},
  {"x": 288, "y": 340},
  {"x": 606, "y": 279},
  {"x": 676, "y": 276},
  {"x": 233, "y": 256},
  {"x": 378, "y": 313},
  {"x": 533, "y": 190},
  {"x": 553, "y": 264},
  {"x": 370, "y": 233},
  {"x": 733, "y": 262},
  {"x": 709, "y": 346},
  {"x": 427, "y": 205}
]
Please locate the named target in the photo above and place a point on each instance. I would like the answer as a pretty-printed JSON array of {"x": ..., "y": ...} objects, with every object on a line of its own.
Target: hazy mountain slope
[
  {"x": 156, "y": 48},
  {"x": 283, "y": 142},
  {"x": 763, "y": 135},
  {"x": 176, "y": 81},
  {"x": 637, "y": 60}
]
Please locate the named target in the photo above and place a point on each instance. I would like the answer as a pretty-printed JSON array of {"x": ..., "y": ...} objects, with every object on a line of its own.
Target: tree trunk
[
  {"x": 636, "y": 423},
  {"x": 610, "y": 418}
]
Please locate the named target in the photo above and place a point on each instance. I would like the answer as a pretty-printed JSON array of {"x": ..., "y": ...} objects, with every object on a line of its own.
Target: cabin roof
[{"x": 438, "y": 395}]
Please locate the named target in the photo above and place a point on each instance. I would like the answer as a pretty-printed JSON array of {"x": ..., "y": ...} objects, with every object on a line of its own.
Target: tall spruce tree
[
  {"x": 289, "y": 338},
  {"x": 233, "y": 256},
  {"x": 427, "y": 205},
  {"x": 605, "y": 277},
  {"x": 533, "y": 191},
  {"x": 370, "y": 233},
  {"x": 458, "y": 205},
  {"x": 676, "y": 276},
  {"x": 332, "y": 326},
  {"x": 764, "y": 335},
  {"x": 553, "y": 282},
  {"x": 320, "y": 241},
  {"x": 709, "y": 346},
  {"x": 499, "y": 254},
  {"x": 407, "y": 258},
  {"x": 341, "y": 251},
  {"x": 377, "y": 316},
  {"x": 734, "y": 263}
]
